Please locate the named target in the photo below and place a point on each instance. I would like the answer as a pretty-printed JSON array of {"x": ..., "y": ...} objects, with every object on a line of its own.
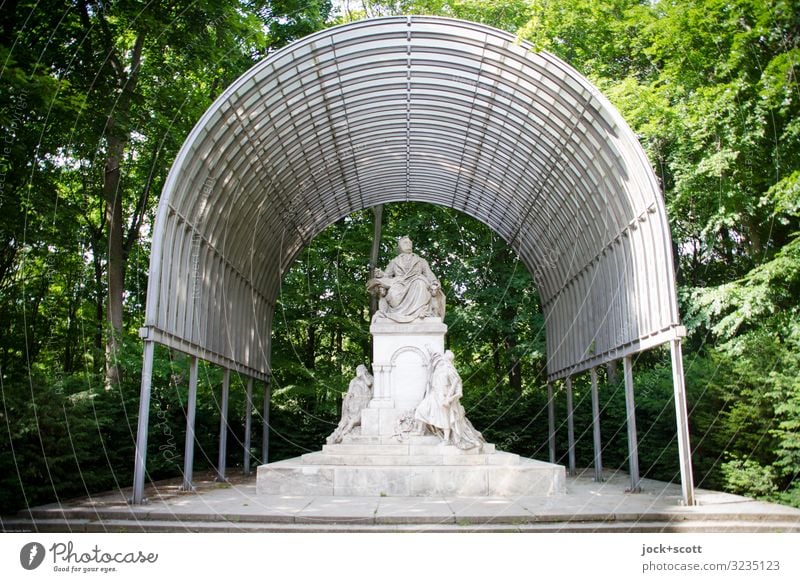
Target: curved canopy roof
[{"x": 412, "y": 108}]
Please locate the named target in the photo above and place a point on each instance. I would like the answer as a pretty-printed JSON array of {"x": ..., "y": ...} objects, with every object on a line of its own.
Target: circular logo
[{"x": 31, "y": 555}]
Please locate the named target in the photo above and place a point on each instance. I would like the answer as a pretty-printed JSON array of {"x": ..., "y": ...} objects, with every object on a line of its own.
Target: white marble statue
[
  {"x": 407, "y": 290},
  {"x": 441, "y": 411},
  {"x": 359, "y": 393}
]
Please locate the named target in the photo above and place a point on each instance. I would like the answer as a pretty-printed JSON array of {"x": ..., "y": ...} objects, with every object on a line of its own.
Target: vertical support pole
[
  {"x": 140, "y": 462},
  {"x": 191, "y": 409},
  {"x": 551, "y": 423},
  {"x": 682, "y": 418},
  {"x": 570, "y": 428},
  {"x": 265, "y": 423},
  {"x": 223, "y": 425},
  {"x": 630, "y": 407},
  {"x": 248, "y": 421},
  {"x": 598, "y": 448}
]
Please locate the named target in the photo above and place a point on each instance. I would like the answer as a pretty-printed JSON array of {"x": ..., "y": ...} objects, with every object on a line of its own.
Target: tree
[{"x": 96, "y": 98}]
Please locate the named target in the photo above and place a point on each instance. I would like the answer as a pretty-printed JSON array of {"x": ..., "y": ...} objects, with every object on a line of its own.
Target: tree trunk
[
  {"x": 311, "y": 347},
  {"x": 498, "y": 371},
  {"x": 99, "y": 297},
  {"x": 339, "y": 346},
  {"x": 676, "y": 259},
  {"x": 756, "y": 246},
  {"x": 611, "y": 371},
  {"x": 515, "y": 370},
  {"x": 117, "y": 138},
  {"x": 8, "y": 254},
  {"x": 377, "y": 212},
  {"x": 116, "y": 257},
  {"x": 70, "y": 340}
]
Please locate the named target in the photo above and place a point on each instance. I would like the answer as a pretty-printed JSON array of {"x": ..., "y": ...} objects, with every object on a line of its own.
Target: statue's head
[
  {"x": 449, "y": 356},
  {"x": 405, "y": 245},
  {"x": 361, "y": 369}
]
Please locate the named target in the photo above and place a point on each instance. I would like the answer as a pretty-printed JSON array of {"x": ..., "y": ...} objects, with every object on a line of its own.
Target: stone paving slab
[
  {"x": 394, "y": 510},
  {"x": 236, "y": 506},
  {"x": 246, "y": 508},
  {"x": 339, "y": 510},
  {"x": 484, "y": 510}
]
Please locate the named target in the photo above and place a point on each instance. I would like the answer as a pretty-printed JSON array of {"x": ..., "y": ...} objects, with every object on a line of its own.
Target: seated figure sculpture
[
  {"x": 359, "y": 393},
  {"x": 407, "y": 290},
  {"x": 440, "y": 411}
]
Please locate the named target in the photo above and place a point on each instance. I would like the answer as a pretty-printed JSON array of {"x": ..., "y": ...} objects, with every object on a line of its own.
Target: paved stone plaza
[
  {"x": 587, "y": 507},
  {"x": 453, "y": 113}
]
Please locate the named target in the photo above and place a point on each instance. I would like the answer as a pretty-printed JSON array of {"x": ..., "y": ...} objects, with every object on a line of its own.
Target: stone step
[
  {"x": 296, "y": 477},
  {"x": 366, "y": 449},
  {"x": 496, "y": 525},
  {"x": 327, "y": 458},
  {"x": 397, "y": 449},
  {"x": 391, "y": 440}
]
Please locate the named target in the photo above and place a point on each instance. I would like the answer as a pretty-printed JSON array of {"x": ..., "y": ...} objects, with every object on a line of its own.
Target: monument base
[
  {"x": 400, "y": 365},
  {"x": 392, "y": 452},
  {"x": 379, "y": 466}
]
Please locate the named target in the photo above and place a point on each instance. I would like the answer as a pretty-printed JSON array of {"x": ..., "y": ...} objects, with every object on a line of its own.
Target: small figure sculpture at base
[
  {"x": 440, "y": 411},
  {"x": 359, "y": 393}
]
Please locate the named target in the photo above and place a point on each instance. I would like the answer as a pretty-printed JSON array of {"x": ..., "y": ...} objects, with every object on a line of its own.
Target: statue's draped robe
[
  {"x": 358, "y": 395},
  {"x": 441, "y": 407},
  {"x": 408, "y": 279},
  {"x": 432, "y": 410}
]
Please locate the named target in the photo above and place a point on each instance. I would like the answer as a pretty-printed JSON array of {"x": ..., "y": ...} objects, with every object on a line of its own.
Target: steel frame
[{"x": 411, "y": 108}]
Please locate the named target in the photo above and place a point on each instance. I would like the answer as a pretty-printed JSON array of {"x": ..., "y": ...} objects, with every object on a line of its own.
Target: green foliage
[
  {"x": 768, "y": 292},
  {"x": 321, "y": 327},
  {"x": 66, "y": 436},
  {"x": 69, "y": 86},
  {"x": 504, "y": 14},
  {"x": 748, "y": 477},
  {"x": 709, "y": 86}
]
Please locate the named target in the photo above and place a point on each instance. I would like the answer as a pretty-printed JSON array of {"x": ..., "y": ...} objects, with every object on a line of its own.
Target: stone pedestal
[
  {"x": 417, "y": 466},
  {"x": 386, "y": 458},
  {"x": 400, "y": 367}
]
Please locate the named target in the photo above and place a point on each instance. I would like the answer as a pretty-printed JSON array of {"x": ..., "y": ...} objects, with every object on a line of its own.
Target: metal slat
[
  {"x": 368, "y": 113},
  {"x": 516, "y": 138}
]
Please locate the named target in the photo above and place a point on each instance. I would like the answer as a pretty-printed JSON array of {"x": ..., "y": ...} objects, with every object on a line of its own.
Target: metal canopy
[{"x": 424, "y": 109}]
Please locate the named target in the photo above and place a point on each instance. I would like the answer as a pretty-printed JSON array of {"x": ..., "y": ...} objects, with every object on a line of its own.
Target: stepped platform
[
  {"x": 382, "y": 449},
  {"x": 235, "y": 506},
  {"x": 416, "y": 466}
]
